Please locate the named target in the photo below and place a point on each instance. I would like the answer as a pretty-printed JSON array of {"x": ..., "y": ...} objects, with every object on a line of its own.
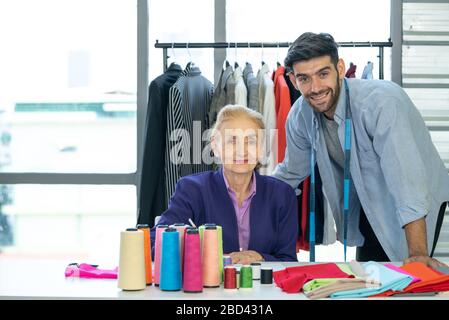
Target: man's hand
[
  {"x": 428, "y": 261},
  {"x": 415, "y": 233},
  {"x": 246, "y": 257}
]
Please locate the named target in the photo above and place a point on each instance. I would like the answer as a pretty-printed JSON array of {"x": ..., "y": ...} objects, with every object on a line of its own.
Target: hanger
[
  {"x": 227, "y": 64},
  {"x": 277, "y": 53},
  {"x": 191, "y": 63},
  {"x": 174, "y": 55},
  {"x": 263, "y": 62},
  {"x": 236, "y": 65}
]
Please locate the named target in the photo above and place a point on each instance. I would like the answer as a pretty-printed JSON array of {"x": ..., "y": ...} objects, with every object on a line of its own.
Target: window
[
  {"x": 67, "y": 107},
  {"x": 425, "y": 71},
  {"x": 68, "y": 85},
  {"x": 286, "y": 20},
  {"x": 181, "y": 21},
  {"x": 65, "y": 219}
]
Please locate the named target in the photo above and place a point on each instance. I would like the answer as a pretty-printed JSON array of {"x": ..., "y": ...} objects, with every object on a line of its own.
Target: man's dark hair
[{"x": 311, "y": 45}]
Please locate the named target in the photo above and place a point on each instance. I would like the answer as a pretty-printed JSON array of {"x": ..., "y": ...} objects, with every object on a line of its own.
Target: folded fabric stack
[
  {"x": 292, "y": 279},
  {"x": 389, "y": 280},
  {"x": 323, "y": 288},
  {"x": 357, "y": 280},
  {"x": 429, "y": 280}
]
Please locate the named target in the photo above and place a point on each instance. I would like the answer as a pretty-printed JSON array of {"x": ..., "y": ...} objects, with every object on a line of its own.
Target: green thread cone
[{"x": 246, "y": 277}]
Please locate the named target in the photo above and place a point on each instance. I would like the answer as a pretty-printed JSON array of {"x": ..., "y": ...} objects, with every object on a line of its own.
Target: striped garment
[{"x": 189, "y": 100}]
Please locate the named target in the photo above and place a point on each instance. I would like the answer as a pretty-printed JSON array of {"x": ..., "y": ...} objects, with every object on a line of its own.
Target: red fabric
[
  {"x": 431, "y": 280},
  {"x": 304, "y": 214},
  {"x": 282, "y": 106},
  {"x": 351, "y": 71},
  {"x": 291, "y": 280}
]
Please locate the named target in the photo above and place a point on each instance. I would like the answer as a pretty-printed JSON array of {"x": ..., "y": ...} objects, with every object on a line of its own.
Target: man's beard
[{"x": 334, "y": 94}]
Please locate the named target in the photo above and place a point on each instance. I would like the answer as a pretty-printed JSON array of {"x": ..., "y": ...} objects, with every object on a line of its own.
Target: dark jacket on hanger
[
  {"x": 152, "y": 185},
  {"x": 294, "y": 94},
  {"x": 190, "y": 100}
]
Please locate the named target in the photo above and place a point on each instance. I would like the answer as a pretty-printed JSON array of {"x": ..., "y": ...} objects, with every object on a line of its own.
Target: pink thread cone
[
  {"x": 158, "y": 253},
  {"x": 192, "y": 272},
  {"x": 211, "y": 264}
]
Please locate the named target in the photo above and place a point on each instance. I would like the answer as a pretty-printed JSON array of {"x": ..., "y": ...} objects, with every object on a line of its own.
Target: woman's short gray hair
[{"x": 230, "y": 112}]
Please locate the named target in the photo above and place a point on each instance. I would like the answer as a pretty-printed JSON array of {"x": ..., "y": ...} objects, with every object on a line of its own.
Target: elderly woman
[{"x": 258, "y": 213}]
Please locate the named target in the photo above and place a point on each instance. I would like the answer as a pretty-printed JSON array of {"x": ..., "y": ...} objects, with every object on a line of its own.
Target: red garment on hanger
[
  {"x": 351, "y": 71},
  {"x": 303, "y": 241},
  {"x": 292, "y": 279},
  {"x": 282, "y": 106}
]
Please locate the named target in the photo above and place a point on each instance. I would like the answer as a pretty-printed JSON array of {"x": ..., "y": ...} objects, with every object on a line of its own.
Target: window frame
[{"x": 105, "y": 178}]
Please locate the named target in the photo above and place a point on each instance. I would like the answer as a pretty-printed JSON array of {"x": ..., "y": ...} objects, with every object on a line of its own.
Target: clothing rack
[{"x": 248, "y": 45}]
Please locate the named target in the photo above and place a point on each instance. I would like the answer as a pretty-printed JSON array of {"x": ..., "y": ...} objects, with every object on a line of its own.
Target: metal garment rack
[{"x": 248, "y": 45}]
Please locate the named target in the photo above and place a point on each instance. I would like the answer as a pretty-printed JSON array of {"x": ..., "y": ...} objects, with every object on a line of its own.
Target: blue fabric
[
  {"x": 203, "y": 198},
  {"x": 389, "y": 279}
]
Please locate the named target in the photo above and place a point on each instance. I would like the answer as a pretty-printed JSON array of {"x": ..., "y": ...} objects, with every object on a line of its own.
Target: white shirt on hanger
[
  {"x": 241, "y": 93},
  {"x": 267, "y": 108}
]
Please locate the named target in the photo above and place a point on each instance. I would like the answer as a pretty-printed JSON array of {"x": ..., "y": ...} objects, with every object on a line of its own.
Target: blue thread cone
[{"x": 170, "y": 262}]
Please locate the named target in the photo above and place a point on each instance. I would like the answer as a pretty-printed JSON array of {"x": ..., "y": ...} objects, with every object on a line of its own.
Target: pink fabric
[
  {"x": 292, "y": 279},
  {"x": 88, "y": 271},
  {"x": 242, "y": 213},
  {"x": 397, "y": 269}
]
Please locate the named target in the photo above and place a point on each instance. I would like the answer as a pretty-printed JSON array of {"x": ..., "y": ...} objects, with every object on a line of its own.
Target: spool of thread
[
  {"x": 192, "y": 279},
  {"x": 266, "y": 275},
  {"x": 158, "y": 253},
  {"x": 211, "y": 264},
  {"x": 131, "y": 272},
  {"x": 220, "y": 244},
  {"x": 237, "y": 268},
  {"x": 230, "y": 277},
  {"x": 202, "y": 228},
  {"x": 246, "y": 277},
  {"x": 170, "y": 263},
  {"x": 227, "y": 261},
  {"x": 256, "y": 270},
  {"x": 181, "y": 227},
  {"x": 147, "y": 252}
]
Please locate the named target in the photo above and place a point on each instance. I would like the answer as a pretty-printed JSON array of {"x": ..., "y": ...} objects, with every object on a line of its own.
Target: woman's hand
[{"x": 246, "y": 257}]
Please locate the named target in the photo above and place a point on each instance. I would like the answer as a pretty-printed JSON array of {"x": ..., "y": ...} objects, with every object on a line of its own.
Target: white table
[{"x": 22, "y": 278}]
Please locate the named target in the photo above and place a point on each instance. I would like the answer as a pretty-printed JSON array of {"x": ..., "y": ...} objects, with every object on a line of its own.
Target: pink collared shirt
[{"x": 242, "y": 213}]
